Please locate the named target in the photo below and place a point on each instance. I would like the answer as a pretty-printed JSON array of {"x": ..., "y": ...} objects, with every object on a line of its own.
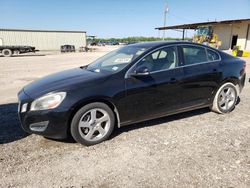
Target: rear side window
[
  {"x": 212, "y": 56},
  {"x": 194, "y": 54}
]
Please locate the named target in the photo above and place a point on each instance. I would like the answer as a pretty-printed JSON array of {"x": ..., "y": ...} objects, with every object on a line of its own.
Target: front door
[{"x": 155, "y": 94}]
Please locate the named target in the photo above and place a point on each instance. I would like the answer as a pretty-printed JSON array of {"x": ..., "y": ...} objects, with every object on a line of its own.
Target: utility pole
[{"x": 165, "y": 18}]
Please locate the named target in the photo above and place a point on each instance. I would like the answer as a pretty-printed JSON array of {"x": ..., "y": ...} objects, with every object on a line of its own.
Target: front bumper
[{"x": 49, "y": 123}]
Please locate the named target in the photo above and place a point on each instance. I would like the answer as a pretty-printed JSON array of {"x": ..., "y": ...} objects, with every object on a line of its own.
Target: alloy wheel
[
  {"x": 94, "y": 124},
  {"x": 227, "y": 98}
]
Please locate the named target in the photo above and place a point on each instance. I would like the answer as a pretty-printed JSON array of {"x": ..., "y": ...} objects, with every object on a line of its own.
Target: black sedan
[{"x": 135, "y": 83}]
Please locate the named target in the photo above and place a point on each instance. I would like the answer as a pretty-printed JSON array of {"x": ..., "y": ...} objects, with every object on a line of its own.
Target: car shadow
[
  {"x": 238, "y": 101},
  {"x": 26, "y": 55},
  {"x": 158, "y": 121},
  {"x": 10, "y": 129}
]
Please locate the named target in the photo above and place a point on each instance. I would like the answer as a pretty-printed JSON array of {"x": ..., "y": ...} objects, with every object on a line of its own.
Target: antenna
[{"x": 166, "y": 10}]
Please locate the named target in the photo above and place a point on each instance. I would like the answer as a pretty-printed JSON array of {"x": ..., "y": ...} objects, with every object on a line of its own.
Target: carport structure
[{"x": 230, "y": 32}]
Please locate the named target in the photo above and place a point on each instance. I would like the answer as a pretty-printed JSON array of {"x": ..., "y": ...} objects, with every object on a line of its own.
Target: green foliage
[{"x": 134, "y": 39}]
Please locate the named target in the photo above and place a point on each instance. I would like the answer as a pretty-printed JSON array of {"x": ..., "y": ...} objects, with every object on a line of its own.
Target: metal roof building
[
  {"x": 42, "y": 39},
  {"x": 230, "y": 32}
]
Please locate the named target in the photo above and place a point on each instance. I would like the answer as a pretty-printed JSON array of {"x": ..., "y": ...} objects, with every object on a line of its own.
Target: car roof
[{"x": 161, "y": 43}]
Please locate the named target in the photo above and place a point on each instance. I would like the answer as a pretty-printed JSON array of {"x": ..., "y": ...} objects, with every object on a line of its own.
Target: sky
[{"x": 116, "y": 18}]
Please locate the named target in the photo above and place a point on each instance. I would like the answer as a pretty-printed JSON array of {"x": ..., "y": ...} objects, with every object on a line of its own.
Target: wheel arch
[
  {"x": 233, "y": 80},
  {"x": 106, "y": 101}
]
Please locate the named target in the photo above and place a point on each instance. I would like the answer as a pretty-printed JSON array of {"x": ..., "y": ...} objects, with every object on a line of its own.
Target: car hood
[{"x": 61, "y": 80}]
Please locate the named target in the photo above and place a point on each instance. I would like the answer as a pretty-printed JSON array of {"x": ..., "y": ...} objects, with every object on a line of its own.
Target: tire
[
  {"x": 225, "y": 98},
  {"x": 7, "y": 52},
  {"x": 92, "y": 124}
]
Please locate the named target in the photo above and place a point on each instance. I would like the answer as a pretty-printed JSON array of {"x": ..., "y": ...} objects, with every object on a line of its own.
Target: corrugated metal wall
[
  {"x": 248, "y": 38},
  {"x": 43, "y": 40},
  {"x": 226, "y": 32}
]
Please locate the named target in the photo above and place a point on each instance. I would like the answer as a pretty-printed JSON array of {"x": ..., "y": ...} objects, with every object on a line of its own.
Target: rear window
[{"x": 212, "y": 56}]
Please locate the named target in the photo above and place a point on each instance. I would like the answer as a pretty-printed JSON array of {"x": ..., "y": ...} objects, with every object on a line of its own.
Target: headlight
[{"x": 48, "y": 101}]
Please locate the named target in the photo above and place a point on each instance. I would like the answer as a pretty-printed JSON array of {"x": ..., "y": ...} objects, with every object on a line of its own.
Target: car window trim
[
  {"x": 179, "y": 64},
  {"x": 159, "y": 48}
]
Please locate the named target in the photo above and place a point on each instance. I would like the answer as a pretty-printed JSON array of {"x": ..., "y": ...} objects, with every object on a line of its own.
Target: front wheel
[
  {"x": 225, "y": 98},
  {"x": 92, "y": 124}
]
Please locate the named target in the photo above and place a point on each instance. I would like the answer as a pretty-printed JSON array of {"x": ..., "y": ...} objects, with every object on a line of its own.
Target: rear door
[{"x": 201, "y": 75}]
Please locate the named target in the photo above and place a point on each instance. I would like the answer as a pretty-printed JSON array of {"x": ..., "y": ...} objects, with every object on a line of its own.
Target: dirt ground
[{"x": 193, "y": 149}]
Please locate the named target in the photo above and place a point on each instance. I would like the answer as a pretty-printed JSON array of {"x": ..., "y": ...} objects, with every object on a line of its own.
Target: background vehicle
[
  {"x": 132, "y": 84},
  {"x": 113, "y": 43},
  {"x": 101, "y": 44},
  {"x": 83, "y": 49},
  {"x": 67, "y": 48},
  {"x": 8, "y": 51},
  {"x": 94, "y": 43},
  {"x": 128, "y": 43},
  {"x": 206, "y": 35}
]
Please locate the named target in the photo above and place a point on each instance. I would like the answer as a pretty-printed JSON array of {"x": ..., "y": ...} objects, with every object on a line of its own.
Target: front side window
[
  {"x": 163, "y": 59},
  {"x": 194, "y": 54}
]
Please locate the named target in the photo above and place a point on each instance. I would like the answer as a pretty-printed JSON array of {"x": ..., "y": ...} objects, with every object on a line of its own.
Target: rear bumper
[{"x": 48, "y": 123}]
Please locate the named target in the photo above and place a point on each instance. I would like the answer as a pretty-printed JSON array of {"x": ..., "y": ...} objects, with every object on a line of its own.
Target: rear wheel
[
  {"x": 7, "y": 52},
  {"x": 92, "y": 124},
  {"x": 225, "y": 98}
]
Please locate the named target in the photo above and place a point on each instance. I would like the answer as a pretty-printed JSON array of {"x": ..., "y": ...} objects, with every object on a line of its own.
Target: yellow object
[
  {"x": 245, "y": 54},
  {"x": 234, "y": 53},
  {"x": 240, "y": 53},
  {"x": 205, "y": 35}
]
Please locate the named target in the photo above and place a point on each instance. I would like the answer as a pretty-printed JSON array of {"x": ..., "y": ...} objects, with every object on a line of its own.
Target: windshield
[
  {"x": 203, "y": 31},
  {"x": 116, "y": 60}
]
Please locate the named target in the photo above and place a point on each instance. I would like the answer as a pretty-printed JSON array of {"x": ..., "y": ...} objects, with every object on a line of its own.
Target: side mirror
[{"x": 140, "y": 71}]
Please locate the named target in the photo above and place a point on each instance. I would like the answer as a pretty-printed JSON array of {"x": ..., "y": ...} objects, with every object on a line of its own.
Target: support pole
[
  {"x": 165, "y": 18},
  {"x": 164, "y": 31}
]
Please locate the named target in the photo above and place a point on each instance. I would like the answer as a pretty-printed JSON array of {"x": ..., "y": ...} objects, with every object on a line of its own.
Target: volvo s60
[{"x": 135, "y": 83}]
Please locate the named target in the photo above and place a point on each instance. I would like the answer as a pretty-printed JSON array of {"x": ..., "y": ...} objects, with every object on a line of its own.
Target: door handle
[{"x": 214, "y": 70}]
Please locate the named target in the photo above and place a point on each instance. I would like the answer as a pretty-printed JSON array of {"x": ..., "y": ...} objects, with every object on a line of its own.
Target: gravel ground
[{"x": 193, "y": 149}]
